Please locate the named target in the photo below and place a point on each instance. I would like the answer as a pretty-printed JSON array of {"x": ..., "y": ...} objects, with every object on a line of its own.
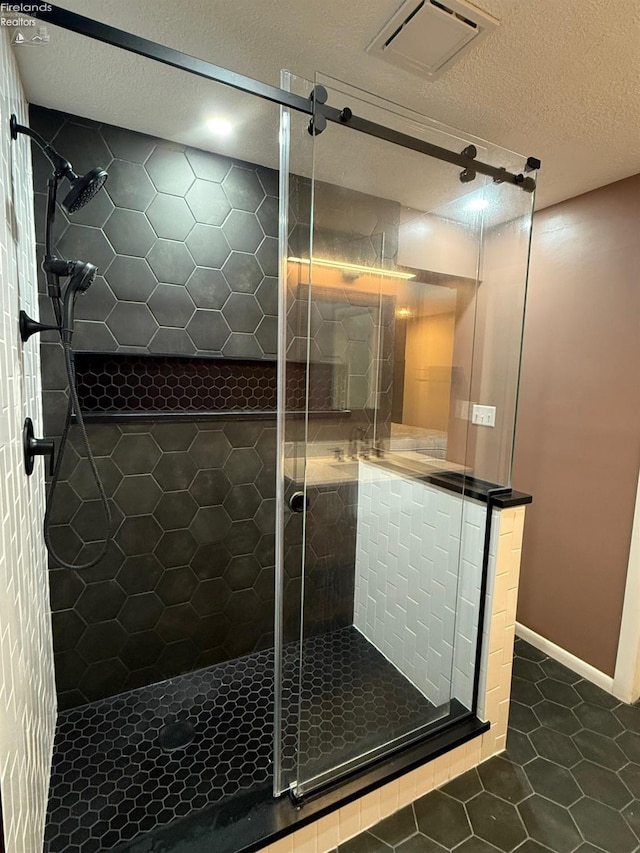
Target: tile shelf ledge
[
  {"x": 195, "y": 415},
  {"x": 181, "y": 356},
  {"x": 128, "y": 386}
]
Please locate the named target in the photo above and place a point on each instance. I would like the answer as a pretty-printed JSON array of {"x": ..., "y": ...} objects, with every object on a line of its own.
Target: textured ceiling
[{"x": 558, "y": 79}]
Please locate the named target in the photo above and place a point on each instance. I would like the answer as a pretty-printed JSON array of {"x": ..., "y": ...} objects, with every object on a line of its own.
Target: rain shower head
[{"x": 83, "y": 189}]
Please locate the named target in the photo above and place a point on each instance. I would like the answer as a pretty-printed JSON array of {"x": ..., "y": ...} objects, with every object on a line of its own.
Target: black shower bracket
[
  {"x": 29, "y": 326},
  {"x": 107, "y": 34}
]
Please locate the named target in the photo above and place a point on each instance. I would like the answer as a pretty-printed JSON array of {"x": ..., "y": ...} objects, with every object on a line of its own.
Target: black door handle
[{"x": 298, "y": 502}]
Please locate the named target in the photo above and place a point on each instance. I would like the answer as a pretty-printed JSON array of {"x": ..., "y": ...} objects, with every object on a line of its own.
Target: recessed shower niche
[{"x": 287, "y": 321}]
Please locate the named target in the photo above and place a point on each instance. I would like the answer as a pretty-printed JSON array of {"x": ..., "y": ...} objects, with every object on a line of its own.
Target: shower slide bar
[{"x": 312, "y": 106}]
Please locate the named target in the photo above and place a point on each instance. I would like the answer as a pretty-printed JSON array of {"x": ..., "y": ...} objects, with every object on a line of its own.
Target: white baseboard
[{"x": 580, "y": 667}]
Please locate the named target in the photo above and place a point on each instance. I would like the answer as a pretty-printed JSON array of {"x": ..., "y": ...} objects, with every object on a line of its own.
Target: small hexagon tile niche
[{"x": 113, "y": 383}]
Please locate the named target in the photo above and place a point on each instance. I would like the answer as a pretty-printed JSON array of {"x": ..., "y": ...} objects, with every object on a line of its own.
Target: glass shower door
[{"x": 380, "y": 554}]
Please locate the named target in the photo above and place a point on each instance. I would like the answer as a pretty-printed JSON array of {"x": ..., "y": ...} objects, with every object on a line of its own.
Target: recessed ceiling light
[
  {"x": 477, "y": 204},
  {"x": 219, "y": 126}
]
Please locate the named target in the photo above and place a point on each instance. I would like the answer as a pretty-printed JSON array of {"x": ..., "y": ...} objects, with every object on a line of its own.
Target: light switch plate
[{"x": 483, "y": 415}]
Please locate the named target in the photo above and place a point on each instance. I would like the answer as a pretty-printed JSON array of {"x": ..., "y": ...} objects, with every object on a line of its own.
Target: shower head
[{"x": 83, "y": 189}]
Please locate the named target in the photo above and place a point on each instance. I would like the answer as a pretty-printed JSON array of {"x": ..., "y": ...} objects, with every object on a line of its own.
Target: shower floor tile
[
  {"x": 352, "y": 700},
  {"x": 112, "y": 780}
]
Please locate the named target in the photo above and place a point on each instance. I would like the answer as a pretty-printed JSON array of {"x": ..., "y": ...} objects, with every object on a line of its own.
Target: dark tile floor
[
  {"x": 112, "y": 780},
  {"x": 352, "y": 700},
  {"x": 569, "y": 780}
]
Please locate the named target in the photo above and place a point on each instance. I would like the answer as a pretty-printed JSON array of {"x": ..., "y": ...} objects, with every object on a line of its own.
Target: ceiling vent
[{"x": 426, "y": 37}]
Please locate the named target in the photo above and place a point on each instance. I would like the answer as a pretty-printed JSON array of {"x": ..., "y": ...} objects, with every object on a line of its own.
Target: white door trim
[{"x": 626, "y": 681}]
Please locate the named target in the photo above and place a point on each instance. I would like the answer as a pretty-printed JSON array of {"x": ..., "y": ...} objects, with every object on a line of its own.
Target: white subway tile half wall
[
  {"x": 418, "y": 573},
  {"x": 495, "y": 686},
  {"x": 27, "y": 689}
]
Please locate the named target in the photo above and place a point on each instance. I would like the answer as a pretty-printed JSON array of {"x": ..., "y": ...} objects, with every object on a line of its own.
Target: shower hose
[{"x": 74, "y": 406}]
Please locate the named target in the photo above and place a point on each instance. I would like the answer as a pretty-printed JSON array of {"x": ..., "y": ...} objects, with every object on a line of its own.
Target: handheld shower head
[
  {"x": 83, "y": 189},
  {"x": 82, "y": 276}
]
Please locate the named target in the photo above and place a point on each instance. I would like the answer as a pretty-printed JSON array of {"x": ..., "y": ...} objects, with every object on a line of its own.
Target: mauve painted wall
[{"x": 578, "y": 436}]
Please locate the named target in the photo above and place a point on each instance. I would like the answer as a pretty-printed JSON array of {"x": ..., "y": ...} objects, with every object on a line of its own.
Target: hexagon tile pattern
[
  {"x": 112, "y": 781},
  {"x": 336, "y": 707},
  {"x": 569, "y": 781},
  {"x": 188, "y": 581},
  {"x": 185, "y": 241},
  {"x": 113, "y": 382}
]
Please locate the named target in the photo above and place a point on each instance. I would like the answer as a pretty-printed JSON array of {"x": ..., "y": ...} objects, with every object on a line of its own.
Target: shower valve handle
[{"x": 33, "y": 447}]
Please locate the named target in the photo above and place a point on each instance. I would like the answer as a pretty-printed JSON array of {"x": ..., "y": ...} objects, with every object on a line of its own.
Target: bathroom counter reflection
[{"x": 328, "y": 464}]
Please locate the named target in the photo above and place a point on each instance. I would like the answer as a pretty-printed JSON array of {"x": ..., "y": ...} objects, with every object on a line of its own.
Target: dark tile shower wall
[
  {"x": 188, "y": 581},
  {"x": 185, "y": 242},
  {"x": 186, "y": 245},
  {"x": 328, "y": 552}
]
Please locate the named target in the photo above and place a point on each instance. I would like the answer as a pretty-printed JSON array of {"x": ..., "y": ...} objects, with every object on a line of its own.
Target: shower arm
[{"x": 61, "y": 169}]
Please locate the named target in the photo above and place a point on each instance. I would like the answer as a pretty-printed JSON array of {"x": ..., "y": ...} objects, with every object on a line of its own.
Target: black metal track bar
[
  {"x": 107, "y": 34},
  {"x": 469, "y": 165},
  {"x": 84, "y": 26}
]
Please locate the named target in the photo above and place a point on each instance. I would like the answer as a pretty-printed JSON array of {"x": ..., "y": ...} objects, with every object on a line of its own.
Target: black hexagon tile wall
[{"x": 186, "y": 245}]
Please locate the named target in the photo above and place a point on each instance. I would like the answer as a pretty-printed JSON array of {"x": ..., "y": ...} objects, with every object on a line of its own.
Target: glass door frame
[{"x": 298, "y": 788}]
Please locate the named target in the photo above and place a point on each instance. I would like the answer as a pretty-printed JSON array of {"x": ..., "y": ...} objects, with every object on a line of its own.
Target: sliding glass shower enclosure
[
  {"x": 401, "y": 302},
  {"x": 298, "y": 366}
]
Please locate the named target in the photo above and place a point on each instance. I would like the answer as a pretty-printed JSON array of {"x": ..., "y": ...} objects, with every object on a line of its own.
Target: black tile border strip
[{"x": 124, "y": 352}]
